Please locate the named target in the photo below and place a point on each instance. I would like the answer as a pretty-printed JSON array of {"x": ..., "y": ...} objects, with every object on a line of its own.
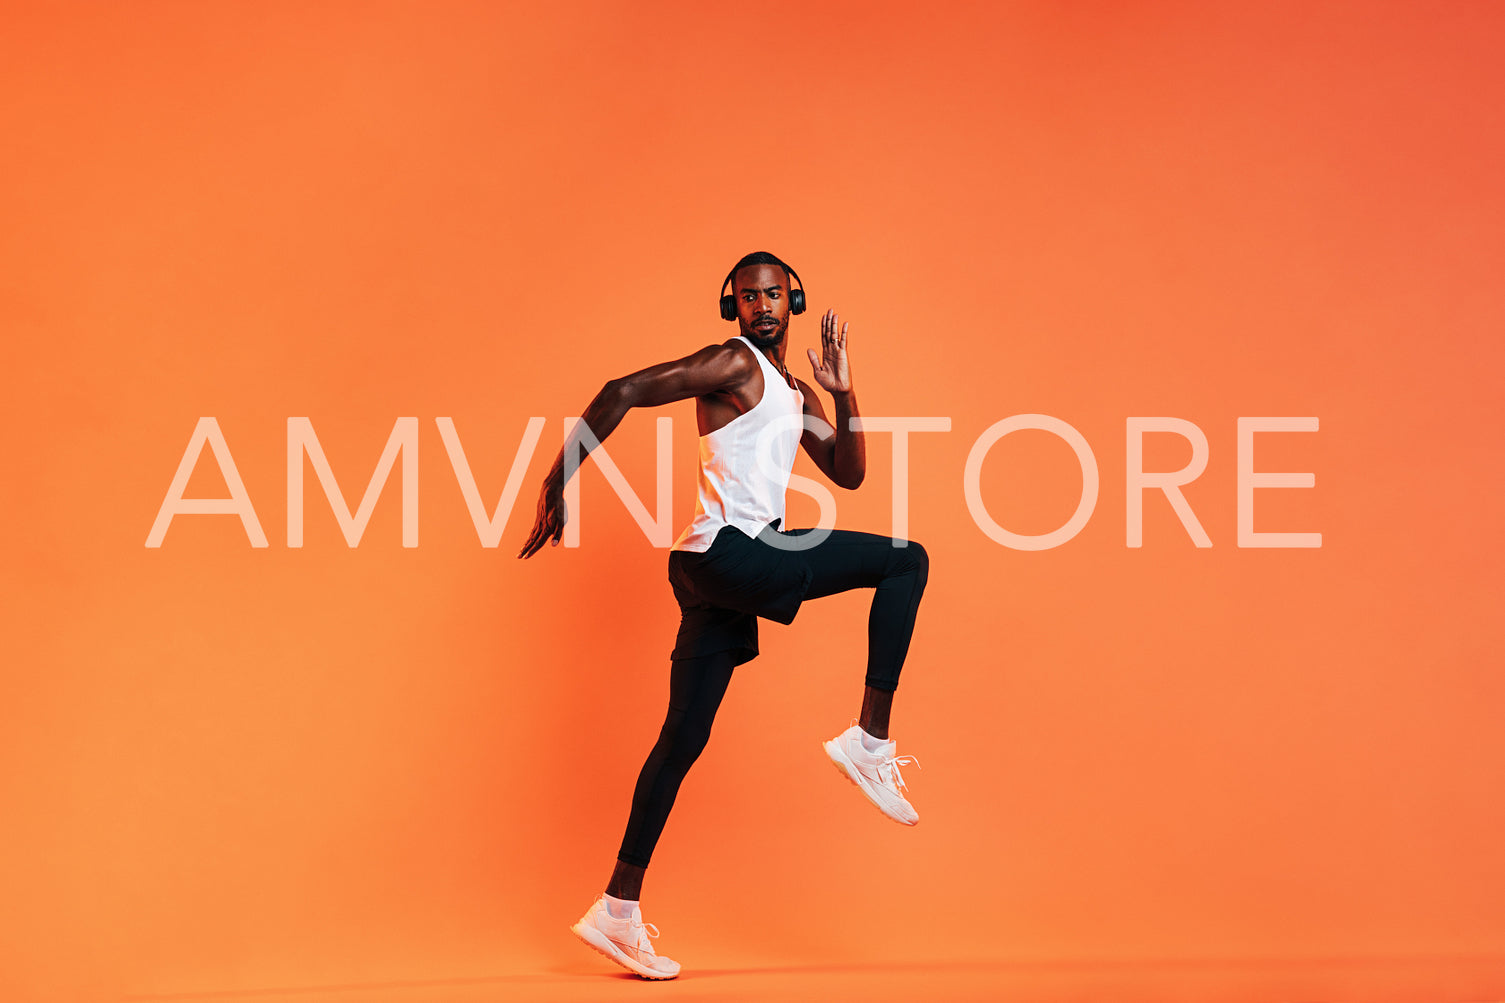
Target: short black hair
[{"x": 758, "y": 258}]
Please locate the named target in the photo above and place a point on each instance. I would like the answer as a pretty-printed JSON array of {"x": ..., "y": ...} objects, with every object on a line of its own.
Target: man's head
[{"x": 762, "y": 298}]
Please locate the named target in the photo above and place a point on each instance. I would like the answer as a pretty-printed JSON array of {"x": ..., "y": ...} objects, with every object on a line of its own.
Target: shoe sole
[
  {"x": 846, "y": 768},
  {"x": 602, "y": 945}
]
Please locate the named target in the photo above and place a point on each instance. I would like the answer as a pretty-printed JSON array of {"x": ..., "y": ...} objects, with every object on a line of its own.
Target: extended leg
[
  {"x": 626, "y": 881},
  {"x": 696, "y": 686},
  {"x": 614, "y": 923}
]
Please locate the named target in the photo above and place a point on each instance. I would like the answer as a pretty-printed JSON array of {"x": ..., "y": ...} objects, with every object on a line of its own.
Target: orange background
[{"x": 229, "y": 768}]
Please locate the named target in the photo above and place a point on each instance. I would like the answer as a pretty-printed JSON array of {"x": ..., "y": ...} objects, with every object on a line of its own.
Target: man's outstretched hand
[
  {"x": 549, "y": 525},
  {"x": 831, "y": 370}
]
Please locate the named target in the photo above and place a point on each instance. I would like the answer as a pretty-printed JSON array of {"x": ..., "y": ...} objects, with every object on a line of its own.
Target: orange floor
[{"x": 1449, "y": 980}]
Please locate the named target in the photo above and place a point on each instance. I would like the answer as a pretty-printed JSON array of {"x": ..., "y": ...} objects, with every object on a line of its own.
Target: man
[{"x": 734, "y": 563}]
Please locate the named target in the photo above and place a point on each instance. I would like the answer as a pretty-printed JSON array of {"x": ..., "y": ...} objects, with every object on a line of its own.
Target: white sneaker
[
  {"x": 624, "y": 941},
  {"x": 876, "y": 774}
]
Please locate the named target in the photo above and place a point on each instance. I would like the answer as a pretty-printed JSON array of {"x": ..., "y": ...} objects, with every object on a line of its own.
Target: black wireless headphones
[{"x": 729, "y": 301}]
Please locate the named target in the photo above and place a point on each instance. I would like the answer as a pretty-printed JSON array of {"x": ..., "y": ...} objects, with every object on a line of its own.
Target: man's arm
[
  {"x": 713, "y": 368},
  {"x": 843, "y": 456}
]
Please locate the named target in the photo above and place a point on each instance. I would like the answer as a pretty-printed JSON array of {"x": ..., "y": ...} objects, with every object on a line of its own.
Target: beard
[{"x": 765, "y": 338}]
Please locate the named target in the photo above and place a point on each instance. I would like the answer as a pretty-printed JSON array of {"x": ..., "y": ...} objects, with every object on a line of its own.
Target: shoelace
[
  {"x": 637, "y": 924},
  {"x": 650, "y": 930},
  {"x": 892, "y": 764}
]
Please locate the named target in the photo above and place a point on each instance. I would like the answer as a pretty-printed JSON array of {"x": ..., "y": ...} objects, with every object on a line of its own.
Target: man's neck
[
  {"x": 776, "y": 355},
  {"x": 773, "y": 353}
]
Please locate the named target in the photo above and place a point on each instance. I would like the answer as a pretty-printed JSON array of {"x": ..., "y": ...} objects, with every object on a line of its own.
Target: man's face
[{"x": 762, "y": 293}]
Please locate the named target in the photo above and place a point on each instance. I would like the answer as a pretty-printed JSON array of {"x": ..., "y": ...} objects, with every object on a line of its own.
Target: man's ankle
[{"x": 620, "y": 908}]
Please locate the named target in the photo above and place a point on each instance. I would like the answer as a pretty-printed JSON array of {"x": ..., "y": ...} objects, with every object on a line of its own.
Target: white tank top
[{"x": 735, "y": 487}]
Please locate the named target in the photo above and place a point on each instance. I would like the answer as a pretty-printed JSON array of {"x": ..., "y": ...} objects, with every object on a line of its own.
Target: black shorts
[{"x": 722, "y": 592}]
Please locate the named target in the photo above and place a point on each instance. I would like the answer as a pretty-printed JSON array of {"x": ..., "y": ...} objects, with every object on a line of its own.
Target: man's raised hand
[{"x": 831, "y": 370}]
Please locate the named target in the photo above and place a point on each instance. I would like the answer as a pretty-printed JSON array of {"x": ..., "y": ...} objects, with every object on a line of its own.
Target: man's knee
[{"x": 913, "y": 560}]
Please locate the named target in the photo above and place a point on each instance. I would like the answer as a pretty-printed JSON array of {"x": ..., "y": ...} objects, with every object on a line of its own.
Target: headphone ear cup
[
  {"x": 729, "y": 308},
  {"x": 797, "y": 301}
]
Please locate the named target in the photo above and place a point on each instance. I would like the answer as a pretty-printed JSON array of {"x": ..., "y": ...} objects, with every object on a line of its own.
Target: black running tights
[{"x": 843, "y": 561}]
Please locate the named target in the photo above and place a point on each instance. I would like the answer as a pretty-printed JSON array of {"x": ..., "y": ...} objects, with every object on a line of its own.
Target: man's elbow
[{"x": 618, "y": 394}]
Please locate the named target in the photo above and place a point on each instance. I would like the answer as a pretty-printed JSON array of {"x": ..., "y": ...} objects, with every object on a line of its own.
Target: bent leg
[
  {"x": 696, "y": 686},
  {"x": 847, "y": 560}
]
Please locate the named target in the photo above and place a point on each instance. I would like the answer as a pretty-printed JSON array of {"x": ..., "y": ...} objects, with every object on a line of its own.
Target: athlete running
[{"x": 735, "y": 562}]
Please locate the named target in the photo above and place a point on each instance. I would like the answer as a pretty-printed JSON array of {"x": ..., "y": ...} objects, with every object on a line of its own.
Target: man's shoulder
[
  {"x": 735, "y": 344},
  {"x": 734, "y": 353}
]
